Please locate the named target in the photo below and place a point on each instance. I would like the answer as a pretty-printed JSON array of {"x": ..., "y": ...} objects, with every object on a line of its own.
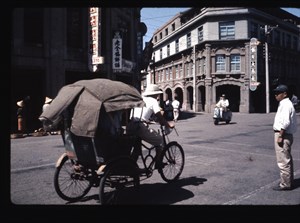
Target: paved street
[{"x": 230, "y": 164}]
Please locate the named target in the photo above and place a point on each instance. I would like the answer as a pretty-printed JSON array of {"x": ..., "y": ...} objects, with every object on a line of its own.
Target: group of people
[
  {"x": 23, "y": 114},
  {"x": 172, "y": 109},
  {"x": 284, "y": 126}
]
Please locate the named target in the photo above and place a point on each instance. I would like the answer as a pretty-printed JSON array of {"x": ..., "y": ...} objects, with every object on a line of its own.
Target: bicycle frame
[{"x": 138, "y": 152}]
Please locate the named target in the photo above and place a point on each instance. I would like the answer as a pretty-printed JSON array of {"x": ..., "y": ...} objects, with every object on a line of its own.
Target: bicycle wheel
[
  {"x": 72, "y": 182},
  {"x": 171, "y": 162},
  {"x": 118, "y": 181}
]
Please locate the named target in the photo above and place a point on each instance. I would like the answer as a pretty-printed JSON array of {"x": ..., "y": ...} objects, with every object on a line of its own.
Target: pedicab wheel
[
  {"x": 71, "y": 183},
  {"x": 172, "y": 162},
  {"x": 119, "y": 180}
]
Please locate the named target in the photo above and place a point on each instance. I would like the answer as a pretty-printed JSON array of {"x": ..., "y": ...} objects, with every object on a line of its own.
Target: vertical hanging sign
[
  {"x": 94, "y": 39},
  {"x": 253, "y": 64},
  {"x": 117, "y": 52}
]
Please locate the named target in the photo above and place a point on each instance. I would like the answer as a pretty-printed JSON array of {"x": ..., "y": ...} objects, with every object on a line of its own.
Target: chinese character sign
[
  {"x": 94, "y": 39},
  {"x": 117, "y": 52},
  {"x": 253, "y": 64}
]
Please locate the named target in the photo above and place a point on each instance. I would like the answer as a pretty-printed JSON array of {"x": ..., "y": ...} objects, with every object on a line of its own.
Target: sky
[{"x": 154, "y": 18}]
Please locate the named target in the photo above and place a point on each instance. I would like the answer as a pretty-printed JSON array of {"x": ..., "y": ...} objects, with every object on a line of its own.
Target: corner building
[
  {"x": 52, "y": 47},
  {"x": 204, "y": 52}
]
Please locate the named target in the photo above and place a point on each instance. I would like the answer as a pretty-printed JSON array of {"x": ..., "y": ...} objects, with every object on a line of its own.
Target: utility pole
[
  {"x": 194, "y": 78},
  {"x": 268, "y": 30}
]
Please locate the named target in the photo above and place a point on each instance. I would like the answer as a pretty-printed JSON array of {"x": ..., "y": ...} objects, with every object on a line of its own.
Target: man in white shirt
[
  {"x": 285, "y": 125},
  {"x": 175, "y": 105},
  {"x": 141, "y": 118},
  {"x": 222, "y": 104}
]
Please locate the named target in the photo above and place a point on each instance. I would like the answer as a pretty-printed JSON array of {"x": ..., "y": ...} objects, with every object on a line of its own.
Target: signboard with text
[
  {"x": 94, "y": 39},
  {"x": 253, "y": 64},
  {"x": 117, "y": 52}
]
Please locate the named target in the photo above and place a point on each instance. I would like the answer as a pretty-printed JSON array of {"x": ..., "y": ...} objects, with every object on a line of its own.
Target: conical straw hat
[
  {"x": 20, "y": 103},
  {"x": 47, "y": 100}
]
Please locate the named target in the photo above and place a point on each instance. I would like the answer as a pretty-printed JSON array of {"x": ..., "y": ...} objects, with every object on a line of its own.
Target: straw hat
[
  {"x": 20, "y": 103},
  {"x": 152, "y": 89},
  {"x": 47, "y": 100}
]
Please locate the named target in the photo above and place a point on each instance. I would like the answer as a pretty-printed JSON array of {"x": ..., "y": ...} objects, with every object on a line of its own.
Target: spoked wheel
[
  {"x": 118, "y": 181},
  {"x": 172, "y": 162},
  {"x": 72, "y": 181}
]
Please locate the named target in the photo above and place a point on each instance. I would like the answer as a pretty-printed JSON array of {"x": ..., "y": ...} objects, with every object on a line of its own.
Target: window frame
[
  {"x": 227, "y": 30},
  {"x": 220, "y": 64}
]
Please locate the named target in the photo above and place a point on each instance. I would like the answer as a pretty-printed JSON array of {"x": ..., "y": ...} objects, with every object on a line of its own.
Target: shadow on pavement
[
  {"x": 296, "y": 183},
  {"x": 157, "y": 193},
  {"x": 224, "y": 123},
  {"x": 186, "y": 115}
]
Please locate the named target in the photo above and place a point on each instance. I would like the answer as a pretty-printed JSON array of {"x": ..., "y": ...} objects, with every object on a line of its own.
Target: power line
[{"x": 158, "y": 17}]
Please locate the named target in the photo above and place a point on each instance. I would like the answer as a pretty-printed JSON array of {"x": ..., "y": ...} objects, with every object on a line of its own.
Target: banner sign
[
  {"x": 117, "y": 52},
  {"x": 94, "y": 39},
  {"x": 253, "y": 64}
]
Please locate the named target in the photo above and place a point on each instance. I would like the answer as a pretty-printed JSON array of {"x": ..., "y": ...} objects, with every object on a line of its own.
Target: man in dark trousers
[{"x": 285, "y": 125}]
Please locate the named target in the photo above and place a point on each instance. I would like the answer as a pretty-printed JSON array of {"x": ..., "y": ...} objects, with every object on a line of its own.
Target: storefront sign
[
  {"x": 117, "y": 52},
  {"x": 253, "y": 64},
  {"x": 94, "y": 39}
]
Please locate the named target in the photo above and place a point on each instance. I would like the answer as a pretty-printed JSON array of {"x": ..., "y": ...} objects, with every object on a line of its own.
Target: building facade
[
  {"x": 52, "y": 47},
  {"x": 205, "y": 52}
]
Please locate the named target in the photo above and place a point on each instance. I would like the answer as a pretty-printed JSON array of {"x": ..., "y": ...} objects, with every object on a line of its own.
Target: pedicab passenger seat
[
  {"x": 106, "y": 145},
  {"x": 111, "y": 146}
]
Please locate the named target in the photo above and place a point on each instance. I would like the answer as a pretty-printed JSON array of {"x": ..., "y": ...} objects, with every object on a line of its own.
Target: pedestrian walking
[
  {"x": 175, "y": 105},
  {"x": 285, "y": 125}
]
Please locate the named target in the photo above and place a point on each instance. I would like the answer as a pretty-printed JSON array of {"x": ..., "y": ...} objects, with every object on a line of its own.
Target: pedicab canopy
[{"x": 92, "y": 95}]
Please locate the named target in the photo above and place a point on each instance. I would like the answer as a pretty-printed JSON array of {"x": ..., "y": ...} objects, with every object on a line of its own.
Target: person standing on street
[
  {"x": 285, "y": 125},
  {"x": 175, "y": 105},
  {"x": 23, "y": 116}
]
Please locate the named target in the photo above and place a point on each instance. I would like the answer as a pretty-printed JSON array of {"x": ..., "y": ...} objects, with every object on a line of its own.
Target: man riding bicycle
[{"x": 140, "y": 119}]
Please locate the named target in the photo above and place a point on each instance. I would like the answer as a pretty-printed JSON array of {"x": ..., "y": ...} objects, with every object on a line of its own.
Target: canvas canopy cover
[{"x": 92, "y": 95}]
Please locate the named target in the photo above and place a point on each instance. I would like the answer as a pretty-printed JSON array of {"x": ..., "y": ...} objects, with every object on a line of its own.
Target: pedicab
[{"x": 93, "y": 115}]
